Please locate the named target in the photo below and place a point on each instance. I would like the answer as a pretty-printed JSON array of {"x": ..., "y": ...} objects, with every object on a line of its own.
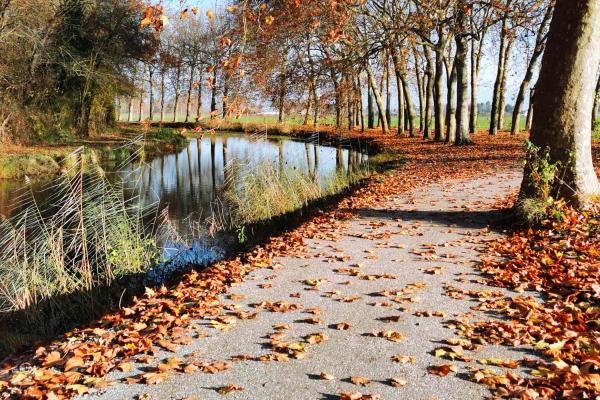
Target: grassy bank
[
  {"x": 483, "y": 121},
  {"x": 47, "y": 160},
  {"x": 60, "y": 261}
]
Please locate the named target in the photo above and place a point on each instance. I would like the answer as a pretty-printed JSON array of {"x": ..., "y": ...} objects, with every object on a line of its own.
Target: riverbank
[{"x": 43, "y": 161}]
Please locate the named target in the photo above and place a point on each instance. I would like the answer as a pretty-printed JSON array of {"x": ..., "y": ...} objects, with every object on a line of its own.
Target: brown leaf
[
  {"x": 326, "y": 377},
  {"x": 442, "y": 370},
  {"x": 397, "y": 382},
  {"x": 73, "y": 362},
  {"x": 228, "y": 389},
  {"x": 360, "y": 380}
]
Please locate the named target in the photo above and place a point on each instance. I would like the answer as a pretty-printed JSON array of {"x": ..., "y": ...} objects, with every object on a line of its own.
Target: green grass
[
  {"x": 483, "y": 121},
  {"x": 18, "y": 166}
]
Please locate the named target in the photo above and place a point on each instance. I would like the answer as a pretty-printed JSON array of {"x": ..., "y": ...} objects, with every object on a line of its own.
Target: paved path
[{"x": 425, "y": 239}]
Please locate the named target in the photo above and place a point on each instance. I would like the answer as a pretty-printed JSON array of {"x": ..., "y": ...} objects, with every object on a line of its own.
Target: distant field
[{"x": 483, "y": 122}]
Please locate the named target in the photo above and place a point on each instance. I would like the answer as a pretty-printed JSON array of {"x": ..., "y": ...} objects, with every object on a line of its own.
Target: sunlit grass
[
  {"x": 89, "y": 237},
  {"x": 268, "y": 191}
]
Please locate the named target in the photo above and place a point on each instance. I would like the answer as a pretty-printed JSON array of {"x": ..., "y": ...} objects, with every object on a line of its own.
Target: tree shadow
[{"x": 496, "y": 220}]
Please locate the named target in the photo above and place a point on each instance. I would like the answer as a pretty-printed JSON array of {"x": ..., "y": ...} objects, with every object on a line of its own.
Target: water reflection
[{"x": 187, "y": 182}]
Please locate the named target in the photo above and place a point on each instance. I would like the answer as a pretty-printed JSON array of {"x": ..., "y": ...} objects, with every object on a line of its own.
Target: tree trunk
[
  {"x": 119, "y": 108},
  {"x": 199, "y": 97},
  {"x": 141, "y": 100},
  {"x": 451, "y": 105},
  {"x": 360, "y": 101},
  {"x": 537, "y": 52},
  {"x": 437, "y": 91},
  {"x": 370, "y": 111},
  {"x": 85, "y": 110},
  {"x": 338, "y": 99},
  {"x": 151, "y": 100},
  {"x": 399, "y": 88},
  {"x": 530, "y": 110},
  {"x": 129, "y": 108},
  {"x": 162, "y": 96},
  {"x": 388, "y": 96},
  {"x": 502, "y": 102},
  {"x": 282, "y": 79},
  {"x": 420, "y": 90},
  {"x": 596, "y": 103},
  {"x": 462, "y": 77},
  {"x": 378, "y": 100},
  {"x": 189, "y": 93},
  {"x": 177, "y": 89},
  {"x": 563, "y": 103},
  {"x": 409, "y": 107},
  {"x": 499, "y": 71},
  {"x": 308, "y": 104},
  {"x": 474, "y": 77},
  {"x": 213, "y": 95},
  {"x": 428, "y": 93},
  {"x": 316, "y": 104},
  {"x": 225, "y": 95}
]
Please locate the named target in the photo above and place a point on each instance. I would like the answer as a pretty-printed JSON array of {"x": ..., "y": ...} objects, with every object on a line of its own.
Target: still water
[{"x": 185, "y": 184}]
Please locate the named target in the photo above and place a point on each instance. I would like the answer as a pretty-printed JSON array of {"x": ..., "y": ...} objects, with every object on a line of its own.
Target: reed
[{"x": 87, "y": 234}]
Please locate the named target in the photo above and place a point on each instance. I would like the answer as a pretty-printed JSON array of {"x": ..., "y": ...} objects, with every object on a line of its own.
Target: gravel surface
[{"x": 408, "y": 238}]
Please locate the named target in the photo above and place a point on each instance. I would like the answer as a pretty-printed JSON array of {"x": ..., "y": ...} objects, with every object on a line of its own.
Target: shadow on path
[{"x": 464, "y": 219}]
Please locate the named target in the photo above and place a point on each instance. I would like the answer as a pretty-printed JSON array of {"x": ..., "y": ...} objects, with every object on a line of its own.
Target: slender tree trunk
[
  {"x": 563, "y": 103},
  {"x": 118, "y": 109},
  {"x": 378, "y": 100},
  {"x": 370, "y": 111},
  {"x": 177, "y": 89},
  {"x": 420, "y": 90},
  {"x": 129, "y": 108},
  {"x": 282, "y": 90},
  {"x": 502, "y": 102},
  {"x": 189, "y": 94},
  {"x": 213, "y": 96},
  {"x": 338, "y": 99},
  {"x": 316, "y": 104},
  {"x": 360, "y": 101},
  {"x": 530, "y": 110},
  {"x": 409, "y": 107},
  {"x": 225, "y": 99},
  {"x": 499, "y": 72},
  {"x": 141, "y": 98},
  {"x": 151, "y": 100},
  {"x": 162, "y": 96},
  {"x": 462, "y": 78},
  {"x": 399, "y": 89},
  {"x": 596, "y": 103},
  {"x": 388, "y": 96},
  {"x": 540, "y": 42},
  {"x": 476, "y": 54},
  {"x": 381, "y": 90},
  {"x": 451, "y": 105},
  {"x": 474, "y": 77},
  {"x": 199, "y": 97},
  {"x": 428, "y": 93},
  {"x": 437, "y": 90},
  {"x": 308, "y": 105}
]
